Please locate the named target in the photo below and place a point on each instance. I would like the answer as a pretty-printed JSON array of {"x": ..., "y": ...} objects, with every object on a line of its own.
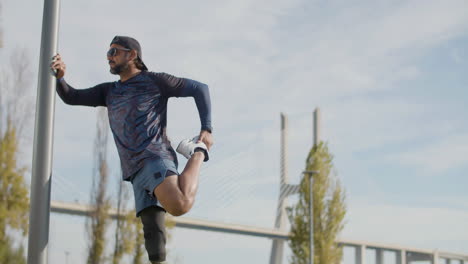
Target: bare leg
[{"x": 177, "y": 194}]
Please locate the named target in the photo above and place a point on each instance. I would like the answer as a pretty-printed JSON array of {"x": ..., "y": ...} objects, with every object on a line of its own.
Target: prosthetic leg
[{"x": 155, "y": 233}]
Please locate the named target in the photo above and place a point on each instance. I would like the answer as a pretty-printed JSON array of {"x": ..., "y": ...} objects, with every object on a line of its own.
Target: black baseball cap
[{"x": 129, "y": 43}]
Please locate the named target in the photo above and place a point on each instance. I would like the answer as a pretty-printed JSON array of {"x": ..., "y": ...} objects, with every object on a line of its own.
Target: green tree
[
  {"x": 329, "y": 211},
  {"x": 16, "y": 98},
  {"x": 8, "y": 254},
  {"x": 14, "y": 201},
  {"x": 124, "y": 242},
  {"x": 139, "y": 252},
  {"x": 98, "y": 221},
  {"x": 14, "y": 198}
]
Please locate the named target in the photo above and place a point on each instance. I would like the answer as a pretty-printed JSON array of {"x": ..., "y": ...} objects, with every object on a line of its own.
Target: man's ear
[{"x": 133, "y": 55}]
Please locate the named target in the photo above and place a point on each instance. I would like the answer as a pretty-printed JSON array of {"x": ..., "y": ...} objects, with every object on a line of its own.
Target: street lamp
[
  {"x": 67, "y": 253},
  {"x": 311, "y": 212},
  {"x": 41, "y": 173}
]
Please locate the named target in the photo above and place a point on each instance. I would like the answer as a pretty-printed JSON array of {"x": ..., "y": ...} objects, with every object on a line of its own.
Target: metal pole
[
  {"x": 316, "y": 121},
  {"x": 311, "y": 222},
  {"x": 43, "y": 135},
  {"x": 311, "y": 214},
  {"x": 316, "y": 126}
]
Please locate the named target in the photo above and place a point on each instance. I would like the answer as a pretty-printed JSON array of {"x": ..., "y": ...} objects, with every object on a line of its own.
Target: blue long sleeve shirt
[{"x": 137, "y": 110}]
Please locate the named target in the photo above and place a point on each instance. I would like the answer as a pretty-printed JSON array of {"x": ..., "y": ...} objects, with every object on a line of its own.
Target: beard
[{"x": 117, "y": 69}]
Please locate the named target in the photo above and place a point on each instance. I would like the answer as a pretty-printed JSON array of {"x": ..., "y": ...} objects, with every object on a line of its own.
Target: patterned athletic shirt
[{"x": 137, "y": 110}]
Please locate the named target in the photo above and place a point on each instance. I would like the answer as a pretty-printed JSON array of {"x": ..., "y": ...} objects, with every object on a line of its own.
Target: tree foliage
[
  {"x": 13, "y": 190},
  {"x": 139, "y": 252},
  {"x": 329, "y": 210},
  {"x": 15, "y": 96},
  {"x": 98, "y": 222},
  {"x": 9, "y": 254},
  {"x": 14, "y": 198},
  {"x": 124, "y": 234}
]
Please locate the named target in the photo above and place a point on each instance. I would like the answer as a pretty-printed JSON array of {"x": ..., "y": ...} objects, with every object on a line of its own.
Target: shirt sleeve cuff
[{"x": 209, "y": 129}]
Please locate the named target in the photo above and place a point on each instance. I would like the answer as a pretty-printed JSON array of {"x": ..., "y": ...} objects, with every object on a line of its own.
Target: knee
[
  {"x": 154, "y": 233},
  {"x": 177, "y": 212},
  {"x": 180, "y": 208}
]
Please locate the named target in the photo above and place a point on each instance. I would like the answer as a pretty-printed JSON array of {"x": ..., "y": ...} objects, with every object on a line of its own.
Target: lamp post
[
  {"x": 311, "y": 214},
  {"x": 39, "y": 212}
]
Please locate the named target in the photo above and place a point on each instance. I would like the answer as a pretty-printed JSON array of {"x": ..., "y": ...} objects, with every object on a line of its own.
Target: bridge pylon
[{"x": 286, "y": 189}]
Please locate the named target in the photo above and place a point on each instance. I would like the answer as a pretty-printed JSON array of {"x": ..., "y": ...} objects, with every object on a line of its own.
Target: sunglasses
[{"x": 113, "y": 51}]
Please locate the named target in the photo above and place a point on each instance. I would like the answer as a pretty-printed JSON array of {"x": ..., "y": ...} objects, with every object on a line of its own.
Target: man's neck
[{"x": 129, "y": 74}]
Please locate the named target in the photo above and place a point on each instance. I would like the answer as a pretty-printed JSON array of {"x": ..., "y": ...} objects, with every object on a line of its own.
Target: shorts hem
[{"x": 147, "y": 180}]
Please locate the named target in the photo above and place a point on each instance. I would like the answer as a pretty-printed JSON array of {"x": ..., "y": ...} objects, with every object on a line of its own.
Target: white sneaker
[{"x": 188, "y": 146}]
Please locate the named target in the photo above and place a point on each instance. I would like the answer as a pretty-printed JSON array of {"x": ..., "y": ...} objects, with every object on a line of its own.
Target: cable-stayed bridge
[
  {"x": 402, "y": 254},
  {"x": 226, "y": 188}
]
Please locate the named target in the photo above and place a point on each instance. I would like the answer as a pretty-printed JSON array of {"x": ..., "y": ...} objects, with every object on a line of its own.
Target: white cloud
[
  {"x": 437, "y": 157},
  {"x": 263, "y": 57},
  {"x": 458, "y": 55}
]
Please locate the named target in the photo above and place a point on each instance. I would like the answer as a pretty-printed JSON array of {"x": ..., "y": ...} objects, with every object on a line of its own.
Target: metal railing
[{"x": 403, "y": 254}]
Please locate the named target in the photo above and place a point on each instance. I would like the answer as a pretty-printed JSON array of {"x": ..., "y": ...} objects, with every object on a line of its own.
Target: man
[{"x": 137, "y": 109}]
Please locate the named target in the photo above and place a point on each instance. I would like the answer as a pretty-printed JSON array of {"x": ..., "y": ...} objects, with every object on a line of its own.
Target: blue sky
[{"x": 389, "y": 76}]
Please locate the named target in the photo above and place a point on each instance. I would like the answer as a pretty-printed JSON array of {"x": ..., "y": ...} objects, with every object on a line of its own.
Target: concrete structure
[
  {"x": 279, "y": 235},
  {"x": 184, "y": 222},
  {"x": 403, "y": 255},
  {"x": 286, "y": 189}
]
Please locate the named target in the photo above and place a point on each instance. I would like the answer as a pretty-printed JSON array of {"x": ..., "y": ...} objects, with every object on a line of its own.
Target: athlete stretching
[{"x": 137, "y": 109}]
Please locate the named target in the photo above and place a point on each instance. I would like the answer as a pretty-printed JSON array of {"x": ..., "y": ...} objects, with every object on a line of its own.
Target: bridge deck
[{"x": 185, "y": 222}]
